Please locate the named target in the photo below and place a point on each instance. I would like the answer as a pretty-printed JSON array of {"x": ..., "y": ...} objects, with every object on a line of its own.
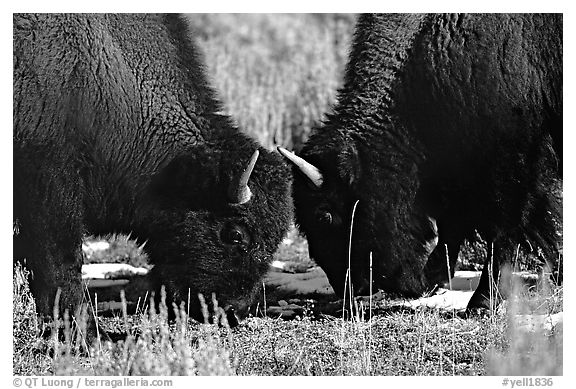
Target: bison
[
  {"x": 116, "y": 129},
  {"x": 447, "y": 126}
]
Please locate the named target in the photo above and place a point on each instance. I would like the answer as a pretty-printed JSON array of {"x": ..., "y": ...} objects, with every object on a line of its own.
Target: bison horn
[
  {"x": 239, "y": 192},
  {"x": 307, "y": 168},
  {"x": 432, "y": 242}
]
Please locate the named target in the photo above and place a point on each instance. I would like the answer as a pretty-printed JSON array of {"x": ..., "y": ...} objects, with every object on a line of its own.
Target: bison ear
[{"x": 348, "y": 162}]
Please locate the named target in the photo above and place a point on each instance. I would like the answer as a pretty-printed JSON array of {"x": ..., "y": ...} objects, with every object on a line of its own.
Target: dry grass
[
  {"x": 152, "y": 345},
  {"x": 399, "y": 342}
]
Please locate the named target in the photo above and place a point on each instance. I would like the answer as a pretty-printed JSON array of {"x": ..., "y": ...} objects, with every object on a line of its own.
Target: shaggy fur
[
  {"x": 116, "y": 130},
  {"x": 455, "y": 119}
]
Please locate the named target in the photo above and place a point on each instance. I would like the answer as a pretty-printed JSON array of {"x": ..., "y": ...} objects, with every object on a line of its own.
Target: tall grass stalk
[
  {"x": 369, "y": 361},
  {"x": 493, "y": 284},
  {"x": 348, "y": 280},
  {"x": 449, "y": 270}
]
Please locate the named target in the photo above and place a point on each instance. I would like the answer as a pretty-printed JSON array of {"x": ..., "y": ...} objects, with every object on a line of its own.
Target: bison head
[
  {"x": 335, "y": 179},
  {"x": 219, "y": 213}
]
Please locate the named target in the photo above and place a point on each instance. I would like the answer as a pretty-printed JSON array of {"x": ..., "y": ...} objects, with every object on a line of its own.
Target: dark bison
[
  {"x": 117, "y": 130},
  {"x": 447, "y": 125}
]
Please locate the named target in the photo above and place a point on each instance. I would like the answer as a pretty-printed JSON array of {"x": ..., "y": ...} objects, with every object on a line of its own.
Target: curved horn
[
  {"x": 239, "y": 192},
  {"x": 432, "y": 241},
  {"x": 307, "y": 168}
]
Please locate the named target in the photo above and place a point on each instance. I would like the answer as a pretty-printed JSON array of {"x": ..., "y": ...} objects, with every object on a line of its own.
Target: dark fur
[
  {"x": 453, "y": 117},
  {"x": 116, "y": 130}
]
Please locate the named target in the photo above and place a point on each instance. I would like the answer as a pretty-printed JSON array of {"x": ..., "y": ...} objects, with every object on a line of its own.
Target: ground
[
  {"x": 302, "y": 329},
  {"x": 293, "y": 285}
]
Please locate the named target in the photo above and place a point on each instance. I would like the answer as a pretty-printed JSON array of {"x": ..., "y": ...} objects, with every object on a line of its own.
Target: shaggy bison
[
  {"x": 446, "y": 126},
  {"x": 117, "y": 130}
]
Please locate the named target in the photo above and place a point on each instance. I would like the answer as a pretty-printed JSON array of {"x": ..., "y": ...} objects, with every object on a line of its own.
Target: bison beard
[
  {"x": 116, "y": 130},
  {"x": 447, "y": 125}
]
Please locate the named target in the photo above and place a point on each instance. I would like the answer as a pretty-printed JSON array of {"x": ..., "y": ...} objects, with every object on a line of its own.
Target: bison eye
[
  {"x": 234, "y": 234},
  {"x": 324, "y": 217}
]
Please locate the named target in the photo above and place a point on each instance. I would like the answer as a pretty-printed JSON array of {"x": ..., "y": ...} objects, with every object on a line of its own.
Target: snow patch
[
  {"x": 99, "y": 245},
  {"x": 111, "y": 270}
]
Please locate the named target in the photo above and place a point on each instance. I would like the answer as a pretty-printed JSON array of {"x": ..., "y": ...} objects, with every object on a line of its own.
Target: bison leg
[
  {"x": 56, "y": 271},
  {"x": 48, "y": 208},
  {"x": 54, "y": 263},
  {"x": 486, "y": 294}
]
